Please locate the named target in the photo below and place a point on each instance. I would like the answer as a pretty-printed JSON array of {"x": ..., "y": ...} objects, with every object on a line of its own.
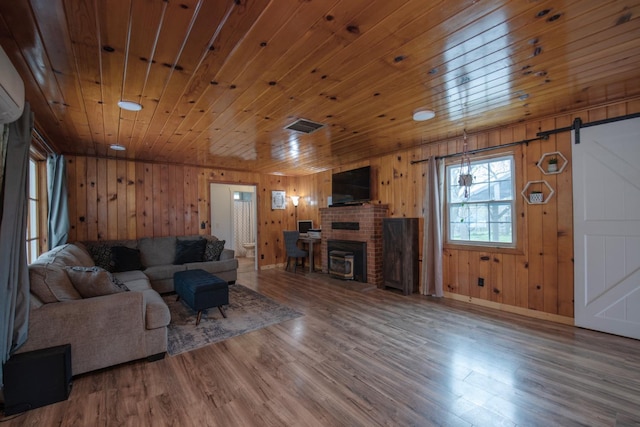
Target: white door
[
  {"x": 606, "y": 207},
  {"x": 221, "y": 213}
]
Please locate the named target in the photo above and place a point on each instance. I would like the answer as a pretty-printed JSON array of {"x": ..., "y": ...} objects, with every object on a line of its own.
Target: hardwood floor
[
  {"x": 246, "y": 264},
  {"x": 367, "y": 359}
]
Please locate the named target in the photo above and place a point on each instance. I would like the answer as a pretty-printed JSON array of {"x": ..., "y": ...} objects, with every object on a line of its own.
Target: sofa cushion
[
  {"x": 135, "y": 280},
  {"x": 227, "y": 254},
  {"x": 82, "y": 255},
  {"x": 214, "y": 267},
  {"x": 128, "y": 276},
  {"x": 94, "y": 281},
  {"x": 68, "y": 254},
  {"x": 157, "y": 250},
  {"x": 189, "y": 250},
  {"x": 125, "y": 259},
  {"x": 213, "y": 250},
  {"x": 138, "y": 285},
  {"x": 34, "y": 301},
  {"x": 160, "y": 272},
  {"x": 50, "y": 282},
  {"x": 65, "y": 254}
]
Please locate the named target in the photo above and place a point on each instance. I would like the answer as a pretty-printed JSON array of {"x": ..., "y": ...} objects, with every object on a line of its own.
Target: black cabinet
[{"x": 400, "y": 254}]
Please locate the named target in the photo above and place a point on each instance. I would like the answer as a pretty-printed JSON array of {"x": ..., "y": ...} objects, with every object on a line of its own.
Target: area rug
[{"x": 247, "y": 311}]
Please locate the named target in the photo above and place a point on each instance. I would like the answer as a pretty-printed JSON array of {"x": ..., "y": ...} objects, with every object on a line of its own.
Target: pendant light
[{"x": 465, "y": 179}]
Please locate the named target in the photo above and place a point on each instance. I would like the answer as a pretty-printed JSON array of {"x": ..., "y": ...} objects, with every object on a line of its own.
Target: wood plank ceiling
[{"x": 219, "y": 80}]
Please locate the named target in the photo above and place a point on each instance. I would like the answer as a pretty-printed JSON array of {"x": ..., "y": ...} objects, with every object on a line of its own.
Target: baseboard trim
[
  {"x": 271, "y": 266},
  {"x": 512, "y": 309}
]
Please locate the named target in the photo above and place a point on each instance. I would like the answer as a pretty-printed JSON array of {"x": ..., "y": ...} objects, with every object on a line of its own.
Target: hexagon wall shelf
[
  {"x": 539, "y": 184},
  {"x": 562, "y": 162}
]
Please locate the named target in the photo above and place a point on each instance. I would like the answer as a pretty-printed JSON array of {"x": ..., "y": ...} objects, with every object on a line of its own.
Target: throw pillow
[
  {"x": 101, "y": 255},
  {"x": 213, "y": 250},
  {"x": 125, "y": 259},
  {"x": 94, "y": 281},
  {"x": 189, "y": 251},
  {"x": 50, "y": 282}
]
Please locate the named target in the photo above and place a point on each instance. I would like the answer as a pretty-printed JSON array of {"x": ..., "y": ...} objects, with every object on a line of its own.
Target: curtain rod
[
  {"x": 40, "y": 138},
  {"x": 544, "y": 135},
  {"x": 480, "y": 150},
  {"x": 586, "y": 125}
]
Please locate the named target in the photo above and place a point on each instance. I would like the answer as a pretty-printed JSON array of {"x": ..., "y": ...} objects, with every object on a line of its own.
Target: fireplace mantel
[{"x": 360, "y": 223}]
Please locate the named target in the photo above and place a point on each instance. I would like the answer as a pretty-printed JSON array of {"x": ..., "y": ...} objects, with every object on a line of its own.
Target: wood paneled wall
[
  {"x": 538, "y": 277},
  {"x": 118, "y": 199}
]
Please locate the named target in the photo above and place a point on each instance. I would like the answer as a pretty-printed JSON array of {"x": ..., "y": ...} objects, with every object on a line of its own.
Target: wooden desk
[{"x": 310, "y": 241}]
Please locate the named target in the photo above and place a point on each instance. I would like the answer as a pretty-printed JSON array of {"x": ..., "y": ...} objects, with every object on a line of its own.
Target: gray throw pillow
[{"x": 94, "y": 281}]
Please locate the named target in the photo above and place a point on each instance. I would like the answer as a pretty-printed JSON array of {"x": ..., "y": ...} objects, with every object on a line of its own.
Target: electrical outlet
[{"x": 480, "y": 281}]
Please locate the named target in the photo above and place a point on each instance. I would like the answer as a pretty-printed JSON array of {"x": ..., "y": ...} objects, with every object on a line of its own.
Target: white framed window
[
  {"x": 33, "y": 220},
  {"x": 485, "y": 216}
]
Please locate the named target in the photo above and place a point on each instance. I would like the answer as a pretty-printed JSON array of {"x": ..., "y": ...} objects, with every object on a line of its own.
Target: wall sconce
[{"x": 295, "y": 200}]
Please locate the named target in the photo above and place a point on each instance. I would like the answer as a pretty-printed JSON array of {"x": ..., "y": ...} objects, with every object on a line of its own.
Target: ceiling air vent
[{"x": 304, "y": 126}]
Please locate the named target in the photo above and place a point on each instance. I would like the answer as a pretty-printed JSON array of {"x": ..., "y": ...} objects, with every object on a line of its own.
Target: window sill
[{"x": 484, "y": 248}]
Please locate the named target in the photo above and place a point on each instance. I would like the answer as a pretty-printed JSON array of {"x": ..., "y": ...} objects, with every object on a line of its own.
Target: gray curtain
[
  {"x": 14, "y": 275},
  {"x": 4, "y": 138},
  {"x": 58, "y": 219},
  {"x": 432, "y": 240}
]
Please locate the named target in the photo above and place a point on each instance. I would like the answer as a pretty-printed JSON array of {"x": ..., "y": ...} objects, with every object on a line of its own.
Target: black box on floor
[{"x": 37, "y": 378}]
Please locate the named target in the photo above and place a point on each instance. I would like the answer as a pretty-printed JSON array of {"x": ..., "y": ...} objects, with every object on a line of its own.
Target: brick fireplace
[{"x": 361, "y": 223}]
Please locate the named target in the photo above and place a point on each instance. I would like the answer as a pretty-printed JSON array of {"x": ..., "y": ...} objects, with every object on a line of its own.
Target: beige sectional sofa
[{"x": 74, "y": 301}]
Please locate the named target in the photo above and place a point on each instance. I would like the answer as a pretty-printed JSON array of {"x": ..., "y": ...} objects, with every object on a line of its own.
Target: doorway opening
[{"x": 234, "y": 219}]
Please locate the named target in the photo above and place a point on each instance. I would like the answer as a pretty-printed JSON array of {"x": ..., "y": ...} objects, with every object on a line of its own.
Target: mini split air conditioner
[{"x": 11, "y": 91}]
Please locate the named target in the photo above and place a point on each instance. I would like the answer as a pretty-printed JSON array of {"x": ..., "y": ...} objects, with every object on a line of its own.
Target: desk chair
[{"x": 293, "y": 251}]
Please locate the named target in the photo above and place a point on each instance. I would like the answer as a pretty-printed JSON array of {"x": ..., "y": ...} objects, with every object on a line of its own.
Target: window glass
[
  {"x": 33, "y": 223},
  {"x": 33, "y": 183},
  {"x": 483, "y": 212}
]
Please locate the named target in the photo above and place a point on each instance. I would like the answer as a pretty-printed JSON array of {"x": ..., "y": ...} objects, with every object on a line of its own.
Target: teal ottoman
[{"x": 201, "y": 290}]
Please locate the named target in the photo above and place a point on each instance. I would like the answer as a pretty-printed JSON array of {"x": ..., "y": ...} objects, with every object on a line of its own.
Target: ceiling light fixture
[
  {"x": 129, "y": 105},
  {"x": 117, "y": 147},
  {"x": 422, "y": 115}
]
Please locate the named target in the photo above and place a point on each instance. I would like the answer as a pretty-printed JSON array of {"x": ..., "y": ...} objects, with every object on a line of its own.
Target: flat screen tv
[{"x": 351, "y": 187}]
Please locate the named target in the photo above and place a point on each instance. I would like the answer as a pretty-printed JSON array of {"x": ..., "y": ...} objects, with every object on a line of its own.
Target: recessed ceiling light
[
  {"x": 117, "y": 147},
  {"x": 129, "y": 105},
  {"x": 422, "y": 115}
]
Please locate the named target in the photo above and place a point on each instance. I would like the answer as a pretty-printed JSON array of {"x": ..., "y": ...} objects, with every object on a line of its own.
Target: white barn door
[{"x": 606, "y": 207}]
